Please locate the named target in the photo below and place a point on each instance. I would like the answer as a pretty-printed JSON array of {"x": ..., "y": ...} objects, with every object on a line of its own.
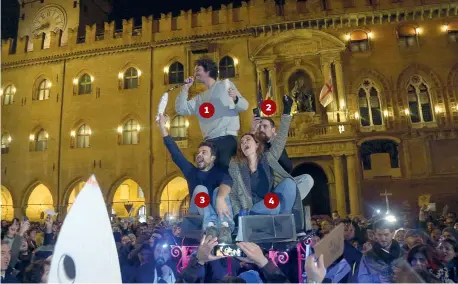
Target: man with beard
[
  {"x": 205, "y": 178},
  {"x": 378, "y": 264},
  {"x": 7, "y": 275},
  {"x": 223, "y": 126},
  {"x": 264, "y": 129}
]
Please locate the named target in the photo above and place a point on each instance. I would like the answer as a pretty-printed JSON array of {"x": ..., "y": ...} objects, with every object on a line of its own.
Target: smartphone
[
  {"x": 228, "y": 251},
  {"x": 256, "y": 112},
  {"x": 26, "y": 218}
]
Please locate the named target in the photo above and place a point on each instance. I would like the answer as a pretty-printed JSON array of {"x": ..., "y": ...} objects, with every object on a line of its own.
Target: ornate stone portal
[{"x": 299, "y": 63}]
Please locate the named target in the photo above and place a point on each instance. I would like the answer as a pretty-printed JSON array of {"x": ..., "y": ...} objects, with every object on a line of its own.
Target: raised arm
[
  {"x": 241, "y": 104},
  {"x": 279, "y": 142},
  {"x": 183, "y": 106},
  {"x": 177, "y": 156}
]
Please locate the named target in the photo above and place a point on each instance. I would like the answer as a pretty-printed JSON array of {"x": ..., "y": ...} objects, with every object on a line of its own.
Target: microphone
[{"x": 177, "y": 86}]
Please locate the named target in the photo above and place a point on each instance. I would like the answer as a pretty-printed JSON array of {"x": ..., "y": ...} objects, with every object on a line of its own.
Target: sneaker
[
  {"x": 225, "y": 236},
  {"x": 211, "y": 231}
]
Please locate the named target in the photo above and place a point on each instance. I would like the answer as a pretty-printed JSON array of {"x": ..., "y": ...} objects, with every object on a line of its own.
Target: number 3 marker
[{"x": 202, "y": 200}]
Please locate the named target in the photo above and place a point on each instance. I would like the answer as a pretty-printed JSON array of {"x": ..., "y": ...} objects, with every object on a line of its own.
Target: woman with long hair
[
  {"x": 256, "y": 173},
  {"x": 447, "y": 251}
]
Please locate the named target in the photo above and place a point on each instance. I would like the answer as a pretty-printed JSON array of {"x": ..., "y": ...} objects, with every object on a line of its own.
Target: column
[
  {"x": 19, "y": 212},
  {"x": 353, "y": 186},
  {"x": 342, "y": 104},
  {"x": 340, "y": 186},
  {"x": 155, "y": 209}
]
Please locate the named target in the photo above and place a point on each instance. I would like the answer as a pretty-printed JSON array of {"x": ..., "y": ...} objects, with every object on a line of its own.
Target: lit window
[
  {"x": 359, "y": 41},
  {"x": 452, "y": 31},
  {"x": 130, "y": 132},
  {"x": 84, "y": 85},
  {"x": 407, "y": 36},
  {"x": 419, "y": 100},
  {"x": 43, "y": 90},
  {"x": 369, "y": 105},
  {"x": 176, "y": 73},
  {"x": 131, "y": 78},
  {"x": 41, "y": 142},
  {"x": 226, "y": 67},
  {"x": 178, "y": 128},
  {"x": 8, "y": 95},
  {"x": 83, "y": 135},
  {"x": 6, "y": 140}
]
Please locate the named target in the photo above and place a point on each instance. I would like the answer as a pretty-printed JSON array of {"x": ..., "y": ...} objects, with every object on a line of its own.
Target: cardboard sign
[
  {"x": 331, "y": 246},
  {"x": 423, "y": 200},
  {"x": 85, "y": 251},
  {"x": 432, "y": 206}
]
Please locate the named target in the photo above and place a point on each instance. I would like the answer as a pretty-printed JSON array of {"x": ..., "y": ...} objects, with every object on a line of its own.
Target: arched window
[
  {"x": 43, "y": 90},
  {"x": 130, "y": 132},
  {"x": 8, "y": 95},
  {"x": 6, "y": 140},
  {"x": 179, "y": 128},
  {"x": 419, "y": 100},
  {"x": 41, "y": 141},
  {"x": 407, "y": 36},
  {"x": 369, "y": 104},
  {"x": 226, "y": 67},
  {"x": 359, "y": 41},
  {"x": 83, "y": 135},
  {"x": 85, "y": 84},
  {"x": 131, "y": 78},
  {"x": 176, "y": 73}
]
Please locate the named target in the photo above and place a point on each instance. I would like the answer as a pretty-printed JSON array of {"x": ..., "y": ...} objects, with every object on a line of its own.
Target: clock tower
[{"x": 44, "y": 16}]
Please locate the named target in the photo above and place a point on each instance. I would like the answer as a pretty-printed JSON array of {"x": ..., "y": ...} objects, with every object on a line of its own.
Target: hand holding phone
[
  {"x": 228, "y": 251},
  {"x": 256, "y": 112}
]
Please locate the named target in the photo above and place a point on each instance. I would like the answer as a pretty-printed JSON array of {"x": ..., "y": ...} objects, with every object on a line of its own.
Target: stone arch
[
  {"x": 81, "y": 72},
  {"x": 173, "y": 196},
  {"x": 383, "y": 137},
  {"x": 37, "y": 199},
  {"x": 321, "y": 189},
  {"x": 325, "y": 41},
  {"x": 378, "y": 78},
  {"x": 127, "y": 66},
  {"x": 164, "y": 182},
  {"x": 68, "y": 194},
  {"x": 114, "y": 186},
  {"x": 133, "y": 198},
  {"x": 7, "y": 205}
]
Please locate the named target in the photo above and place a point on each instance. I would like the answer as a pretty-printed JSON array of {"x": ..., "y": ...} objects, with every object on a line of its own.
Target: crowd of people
[{"x": 230, "y": 178}]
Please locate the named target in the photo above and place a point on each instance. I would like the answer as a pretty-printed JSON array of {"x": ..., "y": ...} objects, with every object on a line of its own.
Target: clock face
[{"x": 49, "y": 18}]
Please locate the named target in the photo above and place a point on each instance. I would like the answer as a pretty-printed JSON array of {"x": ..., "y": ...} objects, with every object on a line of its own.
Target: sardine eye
[{"x": 66, "y": 269}]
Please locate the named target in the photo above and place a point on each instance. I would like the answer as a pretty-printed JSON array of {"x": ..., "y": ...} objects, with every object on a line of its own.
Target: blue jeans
[
  {"x": 209, "y": 212},
  {"x": 286, "y": 191}
]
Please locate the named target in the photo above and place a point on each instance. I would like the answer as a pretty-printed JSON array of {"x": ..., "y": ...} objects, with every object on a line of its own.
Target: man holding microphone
[{"x": 217, "y": 109}]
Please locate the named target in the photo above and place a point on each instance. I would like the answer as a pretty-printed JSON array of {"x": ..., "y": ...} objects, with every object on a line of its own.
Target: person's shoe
[
  {"x": 225, "y": 236},
  {"x": 211, "y": 231}
]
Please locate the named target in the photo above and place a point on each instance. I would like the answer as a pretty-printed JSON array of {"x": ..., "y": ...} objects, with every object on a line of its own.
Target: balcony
[{"x": 320, "y": 132}]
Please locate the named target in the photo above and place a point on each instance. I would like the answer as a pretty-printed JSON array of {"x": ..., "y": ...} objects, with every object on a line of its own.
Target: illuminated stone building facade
[{"x": 76, "y": 103}]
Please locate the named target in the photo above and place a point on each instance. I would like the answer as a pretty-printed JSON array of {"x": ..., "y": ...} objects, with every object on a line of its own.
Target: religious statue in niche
[
  {"x": 379, "y": 146},
  {"x": 301, "y": 90}
]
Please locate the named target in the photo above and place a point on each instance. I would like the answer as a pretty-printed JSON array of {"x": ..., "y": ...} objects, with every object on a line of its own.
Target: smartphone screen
[
  {"x": 228, "y": 251},
  {"x": 256, "y": 112}
]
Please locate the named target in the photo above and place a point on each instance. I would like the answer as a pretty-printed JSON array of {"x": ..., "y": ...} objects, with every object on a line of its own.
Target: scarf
[{"x": 385, "y": 256}]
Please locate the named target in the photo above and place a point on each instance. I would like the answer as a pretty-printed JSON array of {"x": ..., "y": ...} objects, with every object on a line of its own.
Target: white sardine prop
[
  {"x": 162, "y": 105},
  {"x": 85, "y": 251}
]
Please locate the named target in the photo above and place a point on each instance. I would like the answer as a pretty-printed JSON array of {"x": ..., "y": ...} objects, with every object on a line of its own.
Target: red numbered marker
[
  {"x": 206, "y": 110},
  {"x": 268, "y": 107},
  {"x": 202, "y": 199},
  {"x": 271, "y": 201}
]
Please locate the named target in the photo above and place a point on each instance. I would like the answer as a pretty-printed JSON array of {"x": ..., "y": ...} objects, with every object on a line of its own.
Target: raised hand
[
  {"x": 315, "y": 271},
  {"x": 254, "y": 254},
  {"x": 204, "y": 252},
  {"x": 287, "y": 104},
  {"x": 189, "y": 81},
  {"x": 255, "y": 122}
]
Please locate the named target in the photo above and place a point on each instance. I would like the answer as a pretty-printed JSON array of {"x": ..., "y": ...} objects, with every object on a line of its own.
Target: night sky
[{"x": 122, "y": 9}]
